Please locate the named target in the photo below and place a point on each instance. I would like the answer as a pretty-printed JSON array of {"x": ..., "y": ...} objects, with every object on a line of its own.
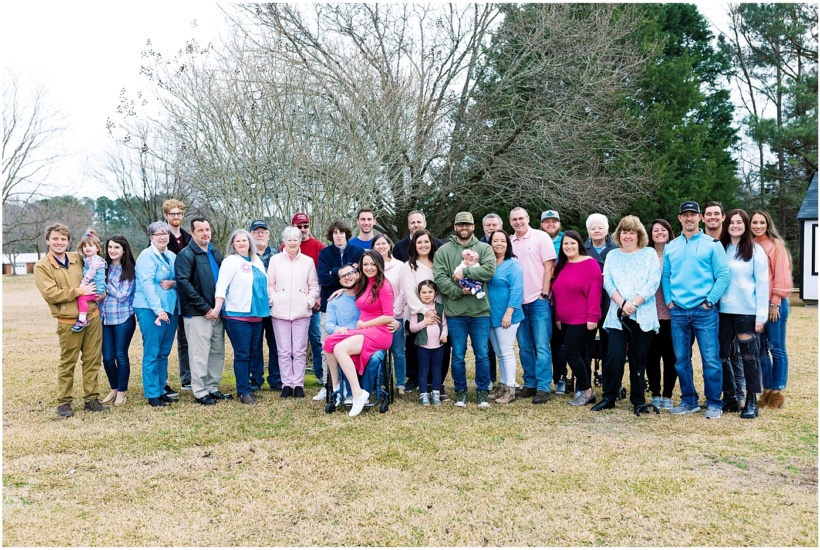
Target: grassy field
[{"x": 286, "y": 474}]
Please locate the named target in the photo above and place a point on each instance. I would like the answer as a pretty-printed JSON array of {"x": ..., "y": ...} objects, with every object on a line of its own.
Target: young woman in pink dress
[{"x": 351, "y": 351}]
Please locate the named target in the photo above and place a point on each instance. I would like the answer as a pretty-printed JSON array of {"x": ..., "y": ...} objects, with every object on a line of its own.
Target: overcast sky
[{"x": 86, "y": 52}]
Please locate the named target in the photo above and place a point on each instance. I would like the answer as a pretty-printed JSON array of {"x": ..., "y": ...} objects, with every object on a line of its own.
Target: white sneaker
[
  {"x": 322, "y": 395},
  {"x": 358, "y": 404}
]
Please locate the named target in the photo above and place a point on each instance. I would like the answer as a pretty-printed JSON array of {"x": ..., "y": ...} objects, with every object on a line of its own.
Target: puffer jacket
[{"x": 293, "y": 286}]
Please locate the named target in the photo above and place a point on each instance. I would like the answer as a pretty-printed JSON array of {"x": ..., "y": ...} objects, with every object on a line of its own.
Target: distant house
[
  {"x": 809, "y": 252},
  {"x": 19, "y": 264}
]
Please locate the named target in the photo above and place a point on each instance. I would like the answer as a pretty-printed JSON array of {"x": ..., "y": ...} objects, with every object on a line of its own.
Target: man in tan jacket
[{"x": 58, "y": 276}]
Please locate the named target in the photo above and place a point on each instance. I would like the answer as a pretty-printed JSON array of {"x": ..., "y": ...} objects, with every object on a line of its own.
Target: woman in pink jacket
[
  {"x": 775, "y": 367},
  {"x": 293, "y": 290}
]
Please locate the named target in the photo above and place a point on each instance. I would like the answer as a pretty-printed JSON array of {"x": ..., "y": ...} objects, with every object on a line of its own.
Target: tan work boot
[
  {"x": 508, "y": 396},
  {"x": 497, "y": 392}
]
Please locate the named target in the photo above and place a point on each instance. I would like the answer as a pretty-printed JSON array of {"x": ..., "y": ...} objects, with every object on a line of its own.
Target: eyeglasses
[
  {"x": 303, "y": 226},
  {"x": 158, "y": 234},
  {"x": 349, "y": 274},
  {"x": 175, "y": 214}
]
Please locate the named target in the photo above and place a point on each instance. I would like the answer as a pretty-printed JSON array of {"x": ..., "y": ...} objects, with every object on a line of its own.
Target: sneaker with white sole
[
  {"x": 656, "y": 402},
  {"x": 461, "y": 399},
  {"x": 424, "y": 399},
  {"x": 349, "y": 400},
  {"x": 359, "y": 403},
  {"x": 483, "y": 402},
  {"x": 713, "y": 412},
  {"x": 666, "y": 403},
  {"x": 683, "y": 408},
  {"x": 435, "y": 398},
  {"x": 322, "y": 395}
]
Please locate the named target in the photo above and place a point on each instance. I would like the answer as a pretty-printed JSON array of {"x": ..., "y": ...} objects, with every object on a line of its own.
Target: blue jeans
[
  {"x": 399, "y": 359},
  {"x": 157, "y": 342},
  {"x": 479, "y": 330},
  {"x": 534, "y": 334},
  {"x": 775, "y": 367},
  {"x": 703, "y": 324},
  {"x": 245, "y": 338},
  {"x": 115, "y": 344},
  {"x": 368, "y": 381},
  {"x": 315, "y": 341},
  {"x": 258, "y": 362},
  {"x": 430, "y": 366}
]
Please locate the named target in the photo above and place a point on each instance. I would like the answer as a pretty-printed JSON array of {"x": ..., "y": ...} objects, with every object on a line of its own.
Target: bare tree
[{"x": 30, "y": 126}]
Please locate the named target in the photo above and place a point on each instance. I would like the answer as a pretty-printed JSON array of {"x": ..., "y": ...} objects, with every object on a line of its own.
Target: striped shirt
[{"x": 118, "y": 304}]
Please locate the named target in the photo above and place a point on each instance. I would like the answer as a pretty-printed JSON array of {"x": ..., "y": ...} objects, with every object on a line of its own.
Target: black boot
[
  {"x": 604, "y": 403},
  {"x": 750, "y": 410}
]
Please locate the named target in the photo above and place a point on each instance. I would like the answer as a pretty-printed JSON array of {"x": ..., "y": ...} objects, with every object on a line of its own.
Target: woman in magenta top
[
  {"x": 576, "y": 294},
  {"x": 351, "y": 351}
]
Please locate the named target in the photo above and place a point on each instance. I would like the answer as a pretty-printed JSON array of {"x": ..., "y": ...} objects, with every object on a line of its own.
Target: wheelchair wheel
[
  {"x": 391, "y": 386},
  {"x": 330, "y": 408}
]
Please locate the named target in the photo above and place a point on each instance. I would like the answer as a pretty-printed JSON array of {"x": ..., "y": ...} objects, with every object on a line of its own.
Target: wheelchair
[{"x": 382, "y": 391}]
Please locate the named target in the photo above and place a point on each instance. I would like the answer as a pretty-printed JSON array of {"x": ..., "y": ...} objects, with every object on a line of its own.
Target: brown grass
[{"x": 286, "y": 474}]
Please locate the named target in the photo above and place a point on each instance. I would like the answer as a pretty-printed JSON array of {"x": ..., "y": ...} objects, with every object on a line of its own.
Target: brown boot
[
  {"x": 497, "y": 392},
  {"x": 763, "y": 399},
  {"x": 507, "y": 397},
  {"x": 776, "y": 400}
]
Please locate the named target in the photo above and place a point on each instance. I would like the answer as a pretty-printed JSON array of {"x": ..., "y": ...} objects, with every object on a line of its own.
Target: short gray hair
[
  {"x": 229, "y": 249},
  {"x": 291, "y": 231},
  {"x": 598, "y": 218},
  {"x": 490, "y": 217},
  {"x": 158, "y": 226}
]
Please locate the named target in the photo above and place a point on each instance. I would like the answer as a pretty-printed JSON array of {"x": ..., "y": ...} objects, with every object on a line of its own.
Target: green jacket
[{"x": 456, "y": 303}]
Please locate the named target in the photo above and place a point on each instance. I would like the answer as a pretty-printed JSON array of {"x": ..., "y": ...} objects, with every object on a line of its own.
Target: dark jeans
[
  {"x": 430, "y": 366},
  {"x": 630, "y": 336},
  {"x": 410, "y": 355},
  {"x": 661, "y": 348},
  {"x": 182, "y": 356},
  {"x": 493, "y": 368},
  {"x": 258, "y": 362},
  {"x": 740, "y": 328},
  {"x": 115, "y": 344},
  {"x": 575, "y": 341},
  {"x": 245, "y": 338},
  {"x": 559, "y": 362}
]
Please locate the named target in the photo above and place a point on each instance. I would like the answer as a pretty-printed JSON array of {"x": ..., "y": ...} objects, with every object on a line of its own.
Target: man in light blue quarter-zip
[{"x": 695, "y": 276}]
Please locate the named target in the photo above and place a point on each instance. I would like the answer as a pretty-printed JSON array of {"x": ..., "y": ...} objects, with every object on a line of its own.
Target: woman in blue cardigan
[
  {"x": 157, "y": 308},
  {"x": 505, "y": 292}
]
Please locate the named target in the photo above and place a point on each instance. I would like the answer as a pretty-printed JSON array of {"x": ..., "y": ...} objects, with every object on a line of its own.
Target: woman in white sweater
[
  {"x": 293, "y": 290},
  {"x": 242, "y": 288},
  {"x": 744, "y": 308}
]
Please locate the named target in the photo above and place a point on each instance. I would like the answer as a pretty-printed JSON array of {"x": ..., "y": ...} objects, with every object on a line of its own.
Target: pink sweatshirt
[
  {"x": 780, "y": 270},
  {"x": 577, "y": 293}
]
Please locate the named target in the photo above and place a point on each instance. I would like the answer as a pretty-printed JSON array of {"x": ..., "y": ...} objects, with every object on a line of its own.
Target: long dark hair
[
  {"x": 666, "y": 225},
  {"x": 509, "y": 253},
  {"x": 361, "y": 282},
  {"x": 746, "y": 246},
  {"x": 411, "y": 250},
  {"x": 127, "y": 260},
  {"x": 562, "y": 257}
]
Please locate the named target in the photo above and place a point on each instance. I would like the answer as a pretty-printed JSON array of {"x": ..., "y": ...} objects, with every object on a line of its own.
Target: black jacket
[{"x": 195, "y": 280}]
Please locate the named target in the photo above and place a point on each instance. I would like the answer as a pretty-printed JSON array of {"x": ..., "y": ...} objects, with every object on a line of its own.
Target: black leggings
[
  {"x": 637, "y": 341},
  {"x": 661, "y": 348},
  {"x": 575, "y": 343}
]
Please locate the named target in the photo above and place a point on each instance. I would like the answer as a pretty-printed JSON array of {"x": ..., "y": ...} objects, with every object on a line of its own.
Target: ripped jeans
[{"x": 741, "y": 328}]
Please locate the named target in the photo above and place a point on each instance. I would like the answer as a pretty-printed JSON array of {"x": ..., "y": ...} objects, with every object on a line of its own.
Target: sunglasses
[{"x": 303, "y": 225}]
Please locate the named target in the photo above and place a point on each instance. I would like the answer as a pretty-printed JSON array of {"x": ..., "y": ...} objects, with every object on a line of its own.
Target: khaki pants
[
  {"x": 206, "y": 353},
  {"x": 87, "y": 342}
]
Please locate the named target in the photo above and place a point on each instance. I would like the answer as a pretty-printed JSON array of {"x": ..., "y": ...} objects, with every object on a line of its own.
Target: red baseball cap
[{"x": 301, "y": 217}]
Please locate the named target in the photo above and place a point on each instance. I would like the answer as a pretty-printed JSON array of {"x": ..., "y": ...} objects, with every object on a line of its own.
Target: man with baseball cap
[
  {"x": 311, "y": 247},
  {"x": 260, "y": 233},
  {"x": 466, "y": 314},
  {"x": 551, "y": 225},
  {"x": 695, "y": 276}
]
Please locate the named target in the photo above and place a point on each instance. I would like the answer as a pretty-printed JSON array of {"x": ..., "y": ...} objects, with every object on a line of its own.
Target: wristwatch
[
  {"x": 708, "y": 304},
  {"x": 545, "y": 296}
]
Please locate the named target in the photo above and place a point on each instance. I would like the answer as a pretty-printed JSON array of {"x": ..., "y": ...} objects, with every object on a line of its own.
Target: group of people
[{"x": 646, "y": 294}]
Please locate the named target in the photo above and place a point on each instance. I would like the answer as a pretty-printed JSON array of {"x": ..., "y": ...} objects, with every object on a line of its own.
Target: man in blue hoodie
[{"x": 695, "y": 276}]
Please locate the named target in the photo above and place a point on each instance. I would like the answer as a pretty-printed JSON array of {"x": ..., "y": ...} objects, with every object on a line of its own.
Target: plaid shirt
[{"x": 118, "y": 304}]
